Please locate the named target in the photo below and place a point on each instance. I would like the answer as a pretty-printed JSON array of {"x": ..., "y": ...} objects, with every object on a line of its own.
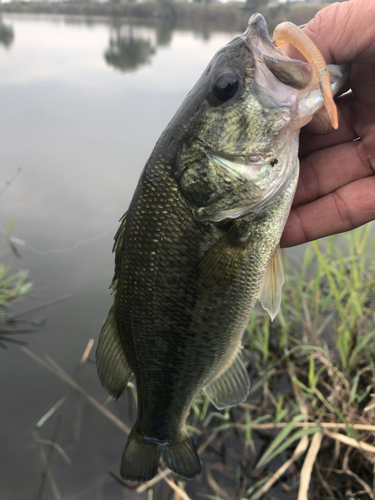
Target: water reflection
[
  {"x": 126, "y": 51},
  {"x": 131, "y": 46},
  {"x": 6, "y": 34},
  {"x": 164, "y": 31}
]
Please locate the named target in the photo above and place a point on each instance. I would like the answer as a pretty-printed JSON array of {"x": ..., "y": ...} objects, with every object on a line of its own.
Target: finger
[
  {"x": 345, "y": 209},
  {"x": 310, "y": 141},
  {"x": 344, "y": 32},
  {"x": 363, "y": 85},
  {"x": 325, "y": 171},
  {"x": 356, "y": 111},
  {"x": 320, "y": 123}
]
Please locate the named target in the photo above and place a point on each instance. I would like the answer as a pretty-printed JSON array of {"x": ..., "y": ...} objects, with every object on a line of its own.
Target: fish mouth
[{"x": 291, "y": 72}]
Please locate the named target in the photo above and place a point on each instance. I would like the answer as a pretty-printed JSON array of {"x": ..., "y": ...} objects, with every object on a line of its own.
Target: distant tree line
[{"x": 250, "y": 4}]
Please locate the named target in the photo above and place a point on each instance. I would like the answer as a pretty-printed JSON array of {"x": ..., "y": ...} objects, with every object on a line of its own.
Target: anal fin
[
  {"x": 270, "y": 295},
  {"x": 231, "y": 387},
  {"x": 113, "y": 368}
]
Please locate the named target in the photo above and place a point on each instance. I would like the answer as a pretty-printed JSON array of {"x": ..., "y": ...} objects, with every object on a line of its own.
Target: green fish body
[{"x": 199, "y": 245}]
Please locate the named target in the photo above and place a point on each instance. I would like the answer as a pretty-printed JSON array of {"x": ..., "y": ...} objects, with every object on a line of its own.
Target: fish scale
[{"x": 199, "y": 245}]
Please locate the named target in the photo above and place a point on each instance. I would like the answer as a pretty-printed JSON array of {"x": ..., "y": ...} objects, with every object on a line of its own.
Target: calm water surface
[{"x": 82, "y": 105}]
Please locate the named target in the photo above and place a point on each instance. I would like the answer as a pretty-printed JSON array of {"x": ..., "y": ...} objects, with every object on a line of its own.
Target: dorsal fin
[{"x": 117, "y": 249}]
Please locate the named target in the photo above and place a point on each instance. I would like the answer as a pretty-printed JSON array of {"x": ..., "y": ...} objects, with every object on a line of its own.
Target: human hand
[{"x": 336, "y": 188}]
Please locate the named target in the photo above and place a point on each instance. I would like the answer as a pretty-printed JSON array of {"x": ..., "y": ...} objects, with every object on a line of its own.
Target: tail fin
[
  {"x": 141, "y": 457},
  {"x": 140, "y": 460},
  {"x": 182, "y": 458}
]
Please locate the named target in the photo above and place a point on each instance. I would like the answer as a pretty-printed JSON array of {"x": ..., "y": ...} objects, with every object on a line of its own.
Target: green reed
[
  {"x": 322, "y": 343},
  {"x": 12, "y": 287},
  {"x": 328, "y": 298}
]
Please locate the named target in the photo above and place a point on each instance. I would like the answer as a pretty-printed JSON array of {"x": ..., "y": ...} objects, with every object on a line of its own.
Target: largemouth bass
[{"x": 199, "y": 244}]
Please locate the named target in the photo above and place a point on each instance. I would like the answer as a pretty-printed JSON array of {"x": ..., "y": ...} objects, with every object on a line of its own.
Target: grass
[
  {"x": 12, "y": 287},
  {"x": 307, "y": 428},
  {"x": 322, "y": 346}
]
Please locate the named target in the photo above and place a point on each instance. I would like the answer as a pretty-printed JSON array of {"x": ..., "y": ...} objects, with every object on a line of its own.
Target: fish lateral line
[{"x": 290, "y": 33}]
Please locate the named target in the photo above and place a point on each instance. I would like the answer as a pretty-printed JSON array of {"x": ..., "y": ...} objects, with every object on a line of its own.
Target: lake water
[{"x": 82, "y": 104}]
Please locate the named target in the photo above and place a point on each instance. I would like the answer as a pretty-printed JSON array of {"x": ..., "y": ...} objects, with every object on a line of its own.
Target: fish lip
[
  {"x": 257, "y": 21},
  {"x": 257, "y": 28}
]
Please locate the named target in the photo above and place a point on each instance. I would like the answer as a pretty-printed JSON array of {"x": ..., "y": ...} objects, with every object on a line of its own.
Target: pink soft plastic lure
[{"x": 290, "y": 33}]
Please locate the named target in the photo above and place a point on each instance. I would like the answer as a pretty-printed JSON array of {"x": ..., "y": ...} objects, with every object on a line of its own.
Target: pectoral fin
[
  {"x": 270, "y": 295},
  {"x": 220, "y": 264},
  {"x": 231, "y": 387},
  {"x": 113, "y": 368}
]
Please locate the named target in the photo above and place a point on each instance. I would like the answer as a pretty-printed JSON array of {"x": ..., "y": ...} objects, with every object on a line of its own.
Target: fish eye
[{"x": 225, "y": 86}]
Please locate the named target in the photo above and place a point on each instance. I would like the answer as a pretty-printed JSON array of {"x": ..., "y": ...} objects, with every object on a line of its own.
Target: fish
[{"x": 199, "y": 245}]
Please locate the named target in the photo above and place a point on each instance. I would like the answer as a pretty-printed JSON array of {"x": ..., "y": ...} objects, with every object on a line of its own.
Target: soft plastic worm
[{"x": 290, "y": 33}]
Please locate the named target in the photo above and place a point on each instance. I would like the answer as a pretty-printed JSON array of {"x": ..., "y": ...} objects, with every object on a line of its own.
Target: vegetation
[
  {"x": 322, "y": 348},
  {"x": 12, "y": 287},
  {"x": 307, "y": 427}
]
